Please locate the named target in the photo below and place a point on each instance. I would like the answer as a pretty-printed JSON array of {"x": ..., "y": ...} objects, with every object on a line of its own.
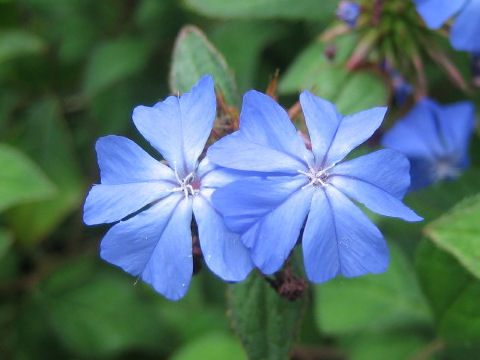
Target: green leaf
[
  {"x": 212, "y": 347},
  {"x": 5, "y": 241},
  {"x": 430, "y": 203},
  {"x": 458, "y": 232},
  {"x": 21, "y": 180},
  {"x": 96, "y": 311},
  {"x": 16, "y": 43},
  {"x": 266, "y": 323},
  {"x": 329, "y": 79},
  {"x": 249, "y": 36},
  {"x": 371, "y": 302},
  {"x": 391, "y": 346},
  {"x": 266, "y": 9},
  {"x": 453, "y": 294},
  {"x": 193, "y": 57},
  {"x": 48, "y": 141},
  {"x": 114, "y": 61}
]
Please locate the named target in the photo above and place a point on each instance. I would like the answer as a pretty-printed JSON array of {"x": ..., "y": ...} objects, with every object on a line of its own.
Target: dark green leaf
[
  {"x": 453, "y": 294},
  {"x": 95, "y": 311},
  {"x": 5, "y": 241},
  {"x": 266, "y": 9},
  {"x": 113, "y": 62},
  {"x": 249, "y": 36},
  {"x": 48, "y": 141},
  {"x": 372, "y": 302},
  {"x": 193, "y": 57},
  {"x": 21, "y": 180},
  {"x": 265, "y": 322}
]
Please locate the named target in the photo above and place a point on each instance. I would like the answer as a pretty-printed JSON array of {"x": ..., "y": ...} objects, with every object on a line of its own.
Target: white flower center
[
  {"x": 444, "y": 169},
  {"x": 188, "y": 184},
  {"x": 316, "y": 177}
]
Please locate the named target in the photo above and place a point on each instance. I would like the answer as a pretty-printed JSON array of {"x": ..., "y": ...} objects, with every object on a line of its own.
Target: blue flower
[
  {"x": 348, "y": 12},
  {"x": 156, "y": 243},
  {"x": 435, "y": 138},
  {"x": 315, "y": 185},
  {"x": 465, "y": 30}
]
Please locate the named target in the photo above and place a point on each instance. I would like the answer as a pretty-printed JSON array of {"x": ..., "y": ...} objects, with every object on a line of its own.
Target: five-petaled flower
[
  {"x": 156, "y": 243},
  {"x": 466, "y": 26},
  {"x": 435, "y": 138},
  {"x": 298, "y": 184}
]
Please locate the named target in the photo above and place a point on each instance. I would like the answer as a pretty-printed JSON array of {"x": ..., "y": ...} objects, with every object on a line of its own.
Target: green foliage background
[{"x": 71, "y": 71}]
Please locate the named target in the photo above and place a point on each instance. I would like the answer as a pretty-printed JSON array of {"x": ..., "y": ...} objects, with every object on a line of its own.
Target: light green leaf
[
  {"x": 266, "y": 9},
  {"x": 193, "y": 57},
  {"x": 329, "y": 79},
  {"x": 391, "y": 346},
  {"x": 453, "y": 294},
  {"x": 458, "y": 233},
  {"x": 48, "y": 141},
  {"x": 114, "y": 61},
  {"x": 21, "y": 180},
  {"x": 15, "y": 43},
  {"x": 265, "y": 322},
  {"x": 371, "y": 302},
  {"x": 211, "y": 347}
]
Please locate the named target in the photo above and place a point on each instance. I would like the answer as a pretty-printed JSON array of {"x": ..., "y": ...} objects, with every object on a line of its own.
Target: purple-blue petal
[
  {"x": 465, "y": 32},
  {"x": 155, "y": 245},
  {"x": 122, "y": 161},
  {"x": 377, "y": 180},
  {"x": 340, "y": 239},
  {"x": 244, "y": 203},
  {"x": 436, "y": 12},
  {"x": 179, "y": 127},
  {"x": 237, "y": 151},
  {"x": 110, "y": 203},
  {"x": 224, "y": 253},
  {"x": 418, "y": 134},
  {"x": 332, "y": 135},
  {"x": 273, "y": 237}
]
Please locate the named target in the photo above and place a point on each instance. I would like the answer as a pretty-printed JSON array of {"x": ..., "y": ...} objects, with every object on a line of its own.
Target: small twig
[
  {"x": 295, "y": 111},
  {"x": 429, "y": 350}
]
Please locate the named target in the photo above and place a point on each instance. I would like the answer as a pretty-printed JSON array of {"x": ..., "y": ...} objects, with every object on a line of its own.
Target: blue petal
[
  {"x": 333, "y": 137},
  {"x": 109, "y": 203},
  {"x": 265, "y": 129},
  {"x": 418, "y": 134},
  {"x": 222, "y": 249},
  {"x": 465, "y": 33},
  {"x": 179, "y": 127},
  {"x": 273, "y": 237},
  {"x": 213, "y": 176},
  {"x": 244, "y": 203},
  {"x": 457, "y": 123},
  {"x": 378, "y": 180},
  {"x": 122, "y": 161},
  {"x": 236, "y": 151},
  {"x": 340, "y": 239},
  {"x": 436, "y": 12},
  {"x": 155, "y": 245}
]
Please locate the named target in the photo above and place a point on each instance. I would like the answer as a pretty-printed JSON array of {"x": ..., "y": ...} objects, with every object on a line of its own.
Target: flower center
[
  {"x": 445, "y": 170},
  {"x": 316, "y": 177},
  {"x": 189, "y": 185}
]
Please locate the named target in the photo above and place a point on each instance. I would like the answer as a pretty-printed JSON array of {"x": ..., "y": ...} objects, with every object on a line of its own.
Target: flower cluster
[{"x": 257, "y": 193}]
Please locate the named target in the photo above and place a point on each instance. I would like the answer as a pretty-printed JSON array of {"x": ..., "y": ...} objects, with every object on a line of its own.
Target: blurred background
[{"x": 72, "y": 71}]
